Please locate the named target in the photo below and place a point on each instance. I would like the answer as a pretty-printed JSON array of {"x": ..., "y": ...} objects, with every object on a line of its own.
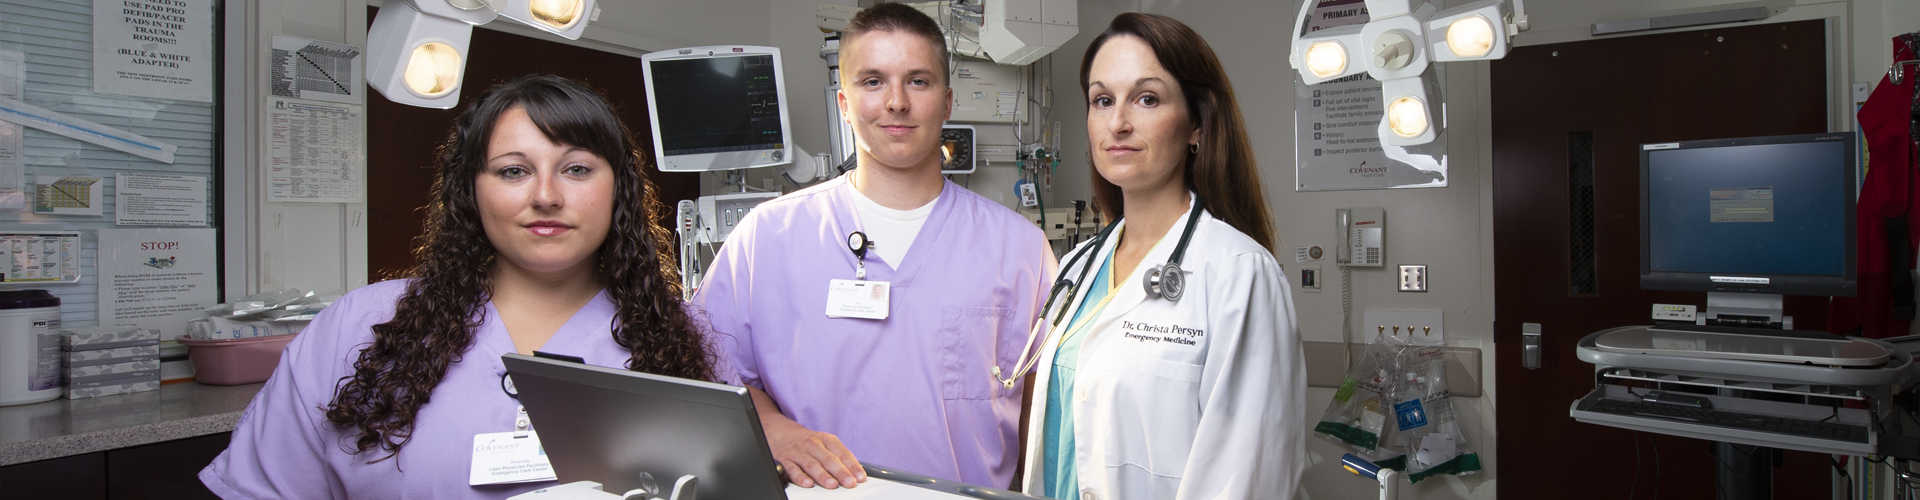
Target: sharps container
[{"x": 29, "y": 347}]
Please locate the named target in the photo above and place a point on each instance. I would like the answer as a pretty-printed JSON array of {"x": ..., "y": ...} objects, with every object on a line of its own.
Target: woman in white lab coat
[{"x": 1171, "y": 368}]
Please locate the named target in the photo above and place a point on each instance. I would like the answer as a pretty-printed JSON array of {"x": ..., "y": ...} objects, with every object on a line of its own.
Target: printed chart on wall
[
  {"x": 315, "y": 152},
  {"x": 316, "y": 70},
  {"x": 154, "y": 48},
  {"x": 1337, "y": 125},
  {"x": 160, "y": 200},
  {"x": 40, "y": 257},
  {"x": 156, "y": 278},
  {"x": 13, "y": 79}
]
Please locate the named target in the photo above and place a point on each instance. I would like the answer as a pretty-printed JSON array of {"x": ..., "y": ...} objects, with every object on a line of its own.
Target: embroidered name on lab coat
[{"x": 1149, "y": 332}]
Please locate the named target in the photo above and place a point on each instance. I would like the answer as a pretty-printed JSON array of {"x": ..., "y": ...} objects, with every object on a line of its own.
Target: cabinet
[{"x": 168, "y": 470}]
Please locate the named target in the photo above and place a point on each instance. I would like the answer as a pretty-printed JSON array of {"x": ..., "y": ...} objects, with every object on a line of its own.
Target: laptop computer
[{"x": 609, "y": 426}]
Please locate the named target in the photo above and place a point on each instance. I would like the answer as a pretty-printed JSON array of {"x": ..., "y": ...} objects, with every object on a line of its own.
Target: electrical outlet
[
  {"x": 1413, "y": 278},
  {"x": 1310, "y": 279}
]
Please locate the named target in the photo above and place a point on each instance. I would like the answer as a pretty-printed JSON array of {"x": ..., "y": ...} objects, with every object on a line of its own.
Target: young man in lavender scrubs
[{"x": 887, "y": 354}]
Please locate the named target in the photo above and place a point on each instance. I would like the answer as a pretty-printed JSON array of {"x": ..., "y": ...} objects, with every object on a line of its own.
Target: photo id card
[
  {"x": 501, "y": 458},
  {"x": 857, "y": 299}
]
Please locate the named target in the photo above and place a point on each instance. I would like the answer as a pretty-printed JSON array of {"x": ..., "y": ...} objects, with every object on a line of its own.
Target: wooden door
[
  {"x": 1568, "y": 120},
  {"x": 401, "y": 139}
]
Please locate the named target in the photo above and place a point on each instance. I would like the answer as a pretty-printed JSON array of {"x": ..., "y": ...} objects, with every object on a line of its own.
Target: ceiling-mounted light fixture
[
  {"x": 567, "y": 18},
  {"x": 417, "y": 58},
  {"x": 1395, "y": 46}
]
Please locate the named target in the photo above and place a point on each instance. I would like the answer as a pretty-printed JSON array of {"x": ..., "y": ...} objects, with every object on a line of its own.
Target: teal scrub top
[{"x": 1061, "y": 479}]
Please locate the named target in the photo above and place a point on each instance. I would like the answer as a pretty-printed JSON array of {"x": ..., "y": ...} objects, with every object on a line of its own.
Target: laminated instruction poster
[
  {"x": 156, "y": 278},
  {"x": 160, "y": 200},
  {"x": 154, "y": 48},
  {"x": 315, "y": 152},
  {"x": 1337, "y": 124}
]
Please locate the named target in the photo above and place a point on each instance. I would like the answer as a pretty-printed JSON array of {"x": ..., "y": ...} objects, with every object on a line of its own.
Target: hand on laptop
[
  {"x": 809, "y": 457},
  {"x": 813, "y": 457}
]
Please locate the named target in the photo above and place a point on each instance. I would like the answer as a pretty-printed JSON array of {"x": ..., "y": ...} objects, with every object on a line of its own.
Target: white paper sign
[
  {"x": 315, "y": 152},
  {"x": 156, "y": 278},
  {"x": 154, "y": 48},
  {"x": 1337, "y": 125},
  {"x": 160, "y": 200},
  {"x": 314, "y": 69}
]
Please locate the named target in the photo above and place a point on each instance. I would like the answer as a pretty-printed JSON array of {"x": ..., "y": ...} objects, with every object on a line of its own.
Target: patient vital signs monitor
[
  {"x": 718, "y": 108},
  {"x": 1767, "y": 215}
]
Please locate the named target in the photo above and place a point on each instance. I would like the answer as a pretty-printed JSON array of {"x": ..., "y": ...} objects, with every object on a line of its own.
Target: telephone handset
[{"x": 1362, "y": 237}]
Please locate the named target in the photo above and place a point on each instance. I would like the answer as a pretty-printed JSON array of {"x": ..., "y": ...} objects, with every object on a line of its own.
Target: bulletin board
[{"x": 125, "y": 136}]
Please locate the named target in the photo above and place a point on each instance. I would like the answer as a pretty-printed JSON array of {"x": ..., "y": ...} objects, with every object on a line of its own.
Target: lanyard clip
[{"x": 858, "y": 243}]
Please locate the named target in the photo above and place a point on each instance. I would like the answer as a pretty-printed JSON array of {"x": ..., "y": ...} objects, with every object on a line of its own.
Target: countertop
[{"x": 66, "y": 427}]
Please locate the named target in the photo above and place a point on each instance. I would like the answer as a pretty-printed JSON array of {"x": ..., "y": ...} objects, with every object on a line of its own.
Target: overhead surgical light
[
  {"x": 567, "y": 18},
  {"x": 1476, "y": 31},
  {"x": 1410, "y": 118},
  {"x": 1395, "y": 46},
  {"x": 1329, "y": 54},
  {"x": 416, "y": 58},
  {"x": 417, "y": 49},
  {"x": 1326, "y": 59}
]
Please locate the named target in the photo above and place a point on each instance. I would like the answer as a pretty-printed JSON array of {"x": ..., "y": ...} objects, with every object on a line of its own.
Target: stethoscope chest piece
[{"x": 1166, "y": 281}]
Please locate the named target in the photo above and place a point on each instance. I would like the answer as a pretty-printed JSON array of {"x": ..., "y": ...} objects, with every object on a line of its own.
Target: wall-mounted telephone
[{"x": 1363, "y": 233}]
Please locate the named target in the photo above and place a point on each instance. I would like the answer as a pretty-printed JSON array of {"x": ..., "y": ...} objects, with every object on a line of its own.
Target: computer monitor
[
  {"x": 608, "y": 426},
  {"x": 1763, "y": 215},
  {"x": 717, "y": 108}
]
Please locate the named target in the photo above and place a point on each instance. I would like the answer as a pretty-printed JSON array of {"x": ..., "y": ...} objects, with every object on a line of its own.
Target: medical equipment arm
[{"x": 1252, "y": 387}]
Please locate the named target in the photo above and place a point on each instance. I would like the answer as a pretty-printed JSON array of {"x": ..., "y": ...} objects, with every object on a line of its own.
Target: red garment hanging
[{"x": 1887, "y": 121}]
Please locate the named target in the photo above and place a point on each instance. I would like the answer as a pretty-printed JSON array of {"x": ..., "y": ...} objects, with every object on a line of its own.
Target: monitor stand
[
  {"x": 1745, "y": 474},
  {"x": 1747, "y": 306}
]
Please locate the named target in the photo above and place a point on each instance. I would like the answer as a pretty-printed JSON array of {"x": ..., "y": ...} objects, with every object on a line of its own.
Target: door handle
[{"x": 1530, "y": 346}]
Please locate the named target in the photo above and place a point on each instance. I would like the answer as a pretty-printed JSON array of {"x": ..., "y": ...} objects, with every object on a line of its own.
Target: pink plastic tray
[{"x": 235, "y": 361}]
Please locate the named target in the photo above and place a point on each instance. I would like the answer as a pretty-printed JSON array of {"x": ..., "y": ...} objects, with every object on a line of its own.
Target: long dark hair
[
  {"x": 434, "y": 322},
  {"x": 1223, "y": 170}
]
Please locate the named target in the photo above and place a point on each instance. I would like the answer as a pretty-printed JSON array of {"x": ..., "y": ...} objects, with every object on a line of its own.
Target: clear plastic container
[{"x": 235, "y": 361}]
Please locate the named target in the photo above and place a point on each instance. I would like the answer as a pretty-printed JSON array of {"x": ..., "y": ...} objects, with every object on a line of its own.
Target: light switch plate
[
  {"x": 1310, "y": 279},
  {"x": 1413, "y": 278}
]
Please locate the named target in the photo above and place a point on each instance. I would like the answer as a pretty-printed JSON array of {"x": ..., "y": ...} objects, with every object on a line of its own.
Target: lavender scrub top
[
  {"x": 284, "y": 447},
  {"x": 914, "y": 391}
]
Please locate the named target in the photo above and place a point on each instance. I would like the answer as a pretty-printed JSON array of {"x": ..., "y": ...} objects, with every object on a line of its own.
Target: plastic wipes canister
[{"x": 29, "y": 347}]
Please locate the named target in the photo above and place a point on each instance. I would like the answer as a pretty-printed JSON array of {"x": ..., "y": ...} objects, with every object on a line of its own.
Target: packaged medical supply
[
  {"x": 30, "y": 338},
  {"x": 110, "y": 356},
  {"x": 107, "y": 337},
  {"x": 111, "y": 387},
  {"x": 113, "y": 371}
]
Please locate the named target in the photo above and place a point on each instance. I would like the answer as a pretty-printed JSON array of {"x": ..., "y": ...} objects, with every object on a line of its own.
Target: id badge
[
  {"x": 857, "y": 299},
  {"x": 502, "y": 458}
]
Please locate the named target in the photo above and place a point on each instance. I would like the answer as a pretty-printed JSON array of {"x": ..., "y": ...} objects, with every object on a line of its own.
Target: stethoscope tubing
[{"x": 1073, "y": 289}]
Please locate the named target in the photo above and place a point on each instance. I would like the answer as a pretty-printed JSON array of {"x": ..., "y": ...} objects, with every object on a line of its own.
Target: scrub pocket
[{"x": 970, "y": 348}]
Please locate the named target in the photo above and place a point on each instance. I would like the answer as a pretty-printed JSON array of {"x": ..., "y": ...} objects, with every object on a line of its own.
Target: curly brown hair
[{"x": 434, "y": 321}]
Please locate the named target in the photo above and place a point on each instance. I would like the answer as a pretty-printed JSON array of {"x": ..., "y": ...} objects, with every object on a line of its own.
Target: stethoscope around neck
[{"x": 1165, "y": 281}]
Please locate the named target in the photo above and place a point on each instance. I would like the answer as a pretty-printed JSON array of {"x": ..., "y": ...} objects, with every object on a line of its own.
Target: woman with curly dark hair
[{"x": 542, "y": 234}]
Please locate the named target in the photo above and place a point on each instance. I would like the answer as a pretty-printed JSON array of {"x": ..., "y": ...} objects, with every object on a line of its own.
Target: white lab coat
[{"x": 1158, "y": 418}]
